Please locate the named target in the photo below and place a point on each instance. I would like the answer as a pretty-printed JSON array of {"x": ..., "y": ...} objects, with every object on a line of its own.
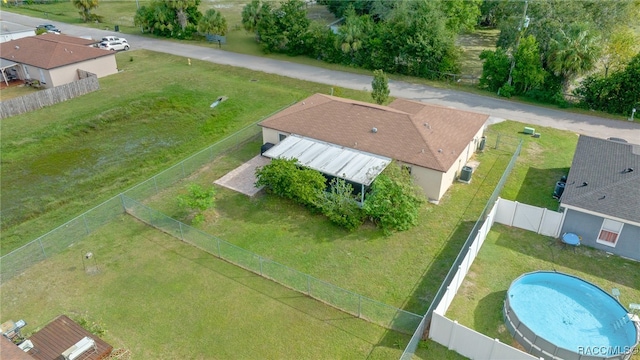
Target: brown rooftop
[
  {"x": 59, "y": 335},
  {"x": 412, "y": 132},
  {"x": 61, "y": 38},
  {"x": 9, "y": 350},
  {"x": 48, "y": 52}
]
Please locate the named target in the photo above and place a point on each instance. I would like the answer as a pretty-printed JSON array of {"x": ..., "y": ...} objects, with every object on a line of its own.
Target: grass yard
[
  {"x": 64, "y": 159},
  {"x": 163, "y": 299},
  {"x": 509, "y": 252},
  {"x": 472, "y": 45},
  {"x": 542, "y": 162},
  {"x": 403, "y": 270}
]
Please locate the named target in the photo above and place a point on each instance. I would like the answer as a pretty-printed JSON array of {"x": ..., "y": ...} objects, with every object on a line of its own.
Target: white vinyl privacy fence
[
  {"x": 532, "y": 218},
  {"x": 469, "y": 342},
  {"x": 437, "y": 329},
  {"x": 460, "y": 338}
]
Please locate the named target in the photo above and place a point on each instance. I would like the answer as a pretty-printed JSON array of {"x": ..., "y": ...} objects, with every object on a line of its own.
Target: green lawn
[
  {"x": 543, "y": 161},
  {"x": 403, "y": 270},
  {"x": 64, "y": 159},
  {"x": 408, "y": 266},
  {"x": 508, "y": 253},
  {"x": 163, "y": 299}
]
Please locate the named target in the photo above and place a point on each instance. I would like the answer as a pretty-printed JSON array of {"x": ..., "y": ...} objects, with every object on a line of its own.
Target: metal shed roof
[{"x": 349, "y": 164}]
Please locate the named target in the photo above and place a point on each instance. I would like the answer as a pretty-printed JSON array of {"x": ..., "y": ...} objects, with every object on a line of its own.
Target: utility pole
[{"x": 523, "y": 25}]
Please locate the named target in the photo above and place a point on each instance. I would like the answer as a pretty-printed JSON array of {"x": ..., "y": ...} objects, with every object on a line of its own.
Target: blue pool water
[{"x": 570, "y": 313}]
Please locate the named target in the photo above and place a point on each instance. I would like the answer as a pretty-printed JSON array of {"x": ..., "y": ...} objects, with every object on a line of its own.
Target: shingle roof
[
  {"x": 412, "y": 132},
  {"x": 611, "y": 189},
  {"x": 52, "y": 340},
  {"x": 61, "y": 38},
  {"x": 46, "y": 52},
  {"x": 9, "y": 350}
]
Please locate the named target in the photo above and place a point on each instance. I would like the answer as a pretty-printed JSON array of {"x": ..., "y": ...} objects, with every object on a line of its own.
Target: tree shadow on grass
[
  {"x": 426, "y": 289},
  {"x": 488, "y": 317},
  {"x": 538, "y": 186}
]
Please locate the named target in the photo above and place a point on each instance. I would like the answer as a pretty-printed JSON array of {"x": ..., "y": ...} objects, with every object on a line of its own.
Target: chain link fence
[
  {"x": 58, "y": 239},
  {"x": 76, "y": 229},
  {"x": 345, "y": 300},
  {"x": 191, "y": 164}
]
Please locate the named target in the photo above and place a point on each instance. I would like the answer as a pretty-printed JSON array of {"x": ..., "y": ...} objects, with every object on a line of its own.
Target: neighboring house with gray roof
[
  {"x": 434, "y": 142},
  {"x": 55, "y": 59},
  {"x": 601, "y": 199}
]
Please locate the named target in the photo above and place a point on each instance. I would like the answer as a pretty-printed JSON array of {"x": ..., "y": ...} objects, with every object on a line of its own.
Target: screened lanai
[{"x": 356, "y": 167}]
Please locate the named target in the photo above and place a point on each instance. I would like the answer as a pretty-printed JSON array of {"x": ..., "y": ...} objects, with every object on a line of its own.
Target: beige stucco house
[
  {"x": 434, "y": 142},
  {"x": 55, "y": 59}
]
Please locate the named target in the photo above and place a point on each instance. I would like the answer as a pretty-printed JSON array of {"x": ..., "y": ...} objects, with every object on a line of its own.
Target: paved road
[{"x": 498, "y": 109}]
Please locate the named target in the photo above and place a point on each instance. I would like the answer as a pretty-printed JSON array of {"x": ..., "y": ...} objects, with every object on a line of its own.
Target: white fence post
[
  {"x": 452, "y": 334},
  {"x": 544, "y": 215},
  {"x": 513, "y": 215}
]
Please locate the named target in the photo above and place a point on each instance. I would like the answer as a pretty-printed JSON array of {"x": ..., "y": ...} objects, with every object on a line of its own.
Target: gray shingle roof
[{"x": 611, "y": 189}]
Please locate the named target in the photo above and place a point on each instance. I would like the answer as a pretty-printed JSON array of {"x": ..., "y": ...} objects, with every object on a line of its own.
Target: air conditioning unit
[{"x": 79, "y": 348}]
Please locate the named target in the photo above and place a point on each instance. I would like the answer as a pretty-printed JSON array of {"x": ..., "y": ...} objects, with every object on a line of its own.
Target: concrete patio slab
[{"x": 243, "y": 178}]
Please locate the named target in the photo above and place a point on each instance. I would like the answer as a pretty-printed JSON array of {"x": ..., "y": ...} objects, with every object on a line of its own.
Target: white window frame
[
  {"x": 610, "y": 226},
  {"x": 43, "y": 79}
]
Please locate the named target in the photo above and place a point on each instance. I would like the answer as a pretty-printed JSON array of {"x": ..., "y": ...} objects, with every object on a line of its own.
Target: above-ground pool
[{"x": 555, "y": 315}]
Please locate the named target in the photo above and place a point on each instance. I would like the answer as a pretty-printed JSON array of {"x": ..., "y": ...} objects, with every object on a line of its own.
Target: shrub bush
[
  {"x": 394, "y": 201},
  {"x": 341, "y": 207}
]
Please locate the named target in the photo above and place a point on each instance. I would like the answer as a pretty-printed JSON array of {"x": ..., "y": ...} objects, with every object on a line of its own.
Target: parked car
[
  {"x": 48, "y": 27},
  {"x": 114, "y": 38},
  {"x": 114, "y": 45}
]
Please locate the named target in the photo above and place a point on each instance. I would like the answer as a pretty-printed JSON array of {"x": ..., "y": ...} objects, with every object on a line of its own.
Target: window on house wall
[
  {"x": 281, "y": 137},
  {"x": 43, "y": 79},
  {"x": 609, "y": 232}
]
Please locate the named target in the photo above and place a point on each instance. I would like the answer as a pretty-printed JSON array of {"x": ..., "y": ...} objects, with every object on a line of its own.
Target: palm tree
[
  {"x": 251, "y": 15},
  {"x": 352, "y": 33},
  {"x": 85, "y": 7},
  {"x": 573, "y": 52},
  {"x": 213, "y": 23}
]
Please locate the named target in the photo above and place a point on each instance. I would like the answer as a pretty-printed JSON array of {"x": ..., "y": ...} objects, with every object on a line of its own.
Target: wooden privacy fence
[{"x": 47, "y": 97}]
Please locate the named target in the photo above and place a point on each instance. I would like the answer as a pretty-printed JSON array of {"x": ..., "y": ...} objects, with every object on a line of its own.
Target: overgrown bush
[
  {"x": 392, "y": 205},
  {"x": 506, "y": 90},
  {"x": 495, "y": 69},
  {"x": 341, "y": 207},
  {"x": 285, "y": 178},
  {"x": 196, "y": 201},
  {"x": 394, "y": 202},
  {"x": 616, "y": 94}
]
